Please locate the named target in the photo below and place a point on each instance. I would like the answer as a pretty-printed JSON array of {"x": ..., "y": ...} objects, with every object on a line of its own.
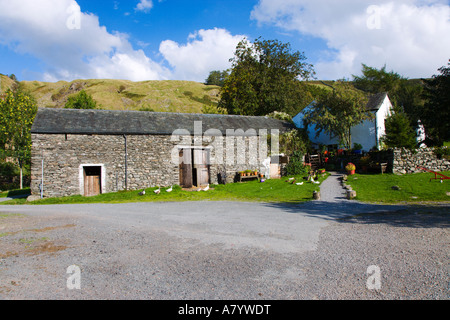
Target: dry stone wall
[{"x": 407, "y": 161}]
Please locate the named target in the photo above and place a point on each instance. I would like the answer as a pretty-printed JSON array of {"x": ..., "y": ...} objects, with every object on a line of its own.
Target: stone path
[
  {"x": 333, "y": 203},
  {"x": 331, "y": 189}
]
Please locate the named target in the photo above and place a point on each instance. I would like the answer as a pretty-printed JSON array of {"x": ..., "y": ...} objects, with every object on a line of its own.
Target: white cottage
[{"x": 368, "y": 133}]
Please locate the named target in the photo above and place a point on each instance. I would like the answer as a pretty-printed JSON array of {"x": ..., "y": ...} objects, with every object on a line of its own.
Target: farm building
[
  {"x": 88, "y": 152},
  {"x": 368, "y": 133}
]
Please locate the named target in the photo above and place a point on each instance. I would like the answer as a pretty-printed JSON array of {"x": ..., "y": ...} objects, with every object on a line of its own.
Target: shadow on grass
[{"x": 345, "y": 211}]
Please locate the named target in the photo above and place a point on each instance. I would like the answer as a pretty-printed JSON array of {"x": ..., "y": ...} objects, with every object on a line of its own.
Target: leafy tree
[
  {"x": 375, "y": 81},
  {"x": 17, "y": 112},
  {"x": 399, "y": 132},
  {"x": 338, "y": 111},
  {"x": 217, "y": 78},
  {"x": 265, "y": 77},
  {"x": 406, "y": 94},
  {"x": 82, "y": 100},
  {"x": 436, "y": 111}
]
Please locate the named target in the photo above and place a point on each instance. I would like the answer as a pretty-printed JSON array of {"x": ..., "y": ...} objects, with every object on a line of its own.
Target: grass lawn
[
  {"x": 272, "y": 190},
  {"x": 18, "y": 192},
  {"x": 412, "y": 187}
]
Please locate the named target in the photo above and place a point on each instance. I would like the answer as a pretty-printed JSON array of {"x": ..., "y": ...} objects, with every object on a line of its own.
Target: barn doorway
[
  {"x": 92, "y": 177},
  {"x": 194, "y": 167}
]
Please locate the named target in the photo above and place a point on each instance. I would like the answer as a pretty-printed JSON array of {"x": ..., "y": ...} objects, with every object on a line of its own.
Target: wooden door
[
  {"x": 92, "y": 181},
  {"x": 185, "y": 168},
  {"x": 201, "y": 164}
]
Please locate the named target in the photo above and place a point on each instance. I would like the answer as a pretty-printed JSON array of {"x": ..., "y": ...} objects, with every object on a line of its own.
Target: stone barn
[{"x": 89, "y": 152}]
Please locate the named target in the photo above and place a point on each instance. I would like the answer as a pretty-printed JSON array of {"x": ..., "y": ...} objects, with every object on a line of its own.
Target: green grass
[
  {"x": 272, "y": 190},
  {"x": 110, "y": 94},
  {"x": 18, "y": 192},
  {"x": 413, "y": 188}
]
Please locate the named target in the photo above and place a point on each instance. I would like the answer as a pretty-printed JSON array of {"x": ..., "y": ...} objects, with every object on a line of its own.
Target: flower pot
[{"x": 351, "y": 172}]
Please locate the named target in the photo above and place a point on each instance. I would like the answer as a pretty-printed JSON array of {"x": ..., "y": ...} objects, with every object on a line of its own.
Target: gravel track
[{"x": 226, "y": 250}]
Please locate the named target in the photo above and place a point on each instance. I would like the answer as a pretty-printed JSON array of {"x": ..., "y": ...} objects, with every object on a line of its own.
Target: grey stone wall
[
  {"x": 149, "y": 161},
  {"x": 406, "y": 161}
]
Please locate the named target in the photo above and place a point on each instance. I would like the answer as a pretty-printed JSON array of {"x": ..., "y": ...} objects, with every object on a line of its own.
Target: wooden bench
[{"x": 248, "y": 177}]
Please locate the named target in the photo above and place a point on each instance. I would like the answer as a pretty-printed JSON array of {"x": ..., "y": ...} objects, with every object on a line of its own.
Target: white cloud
[
  {"x": 205, "y": 51},
  {"x": 144, "y": 5},
  {"x": 406, "y": 35},
  {"x": 73, "y": 45},
  {"x": 70, "y": 43}
]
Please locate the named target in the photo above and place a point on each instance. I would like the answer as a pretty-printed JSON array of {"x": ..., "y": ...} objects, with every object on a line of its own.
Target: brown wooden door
[
  {"x": 201, "y": 164},
  {"x": 185, "y": 168},
  {"x": 92, "y": 181}
]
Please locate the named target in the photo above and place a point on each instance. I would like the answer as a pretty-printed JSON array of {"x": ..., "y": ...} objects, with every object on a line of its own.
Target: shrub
[
  {"x": 442, "y": 152},
  {"x": 8, "y": 170},
  {"x": 350, "y": 167},
  {"x": 82, "y": 100},
  {"x": 296, "y": 165}
]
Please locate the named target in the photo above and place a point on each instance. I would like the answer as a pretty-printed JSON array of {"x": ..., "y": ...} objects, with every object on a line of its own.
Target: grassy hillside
[
  {"x": 5, "y": 83},
  {"x": 163, "y": 96}
]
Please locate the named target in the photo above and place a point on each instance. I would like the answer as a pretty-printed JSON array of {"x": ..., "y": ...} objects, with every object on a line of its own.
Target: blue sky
[{"x": 51, "y": 40}]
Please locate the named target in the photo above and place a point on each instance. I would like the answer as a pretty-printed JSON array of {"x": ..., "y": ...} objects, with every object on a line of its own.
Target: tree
[
  {"x": 217, "y": 78},
  {"x": 17, "y": 112},
  {"x": 338, "y": 111},
  {"x": 375, "y": 81},
  {"x": 436, "y": 111},
  {"x": 399, "y": 132},
  {"x": 406, "y": 94},
  {"x": 82, "y": 100},
  {"x": 265, "y": 77}
]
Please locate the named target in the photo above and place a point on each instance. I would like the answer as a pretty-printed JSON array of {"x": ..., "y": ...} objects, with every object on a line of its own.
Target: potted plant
[
  {"x": 351, "y": 168},
  {"x": 357, "y": 148},
  {"x": 364, "y": 162}
]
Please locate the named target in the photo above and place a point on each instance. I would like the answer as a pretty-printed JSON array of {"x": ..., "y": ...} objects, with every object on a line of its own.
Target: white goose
[
  {"x": 207, "y": 188},
  {"x": 170, "y": 189},
  {"x": 157, "y": 191}
]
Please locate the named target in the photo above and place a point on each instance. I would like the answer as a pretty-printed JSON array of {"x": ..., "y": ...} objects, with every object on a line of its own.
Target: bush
[
  {"x": 82, "y": 100},
  {"x": 8, "y": 170},
  {"x": 442, "y": 152},
  {"x": 296, "y": 165}
]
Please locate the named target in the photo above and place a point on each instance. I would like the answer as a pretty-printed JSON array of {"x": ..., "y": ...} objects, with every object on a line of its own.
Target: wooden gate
[{"x": 92, "y": 181}]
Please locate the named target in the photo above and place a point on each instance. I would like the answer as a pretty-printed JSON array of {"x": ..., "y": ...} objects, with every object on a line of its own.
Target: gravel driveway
[{"x": 225, "y": 251}]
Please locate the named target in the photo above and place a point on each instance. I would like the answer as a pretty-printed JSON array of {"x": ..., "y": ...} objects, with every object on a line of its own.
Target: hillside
[{"x": 162, "y": 96}]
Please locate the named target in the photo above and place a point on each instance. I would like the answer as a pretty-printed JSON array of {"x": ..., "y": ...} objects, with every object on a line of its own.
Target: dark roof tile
[{"x": 109, "y": 122}]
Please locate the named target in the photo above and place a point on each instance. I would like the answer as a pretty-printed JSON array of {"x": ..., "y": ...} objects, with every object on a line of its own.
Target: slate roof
[
  {"x": 376, "y": 101},
  {"x": 109, "y": 122}
]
